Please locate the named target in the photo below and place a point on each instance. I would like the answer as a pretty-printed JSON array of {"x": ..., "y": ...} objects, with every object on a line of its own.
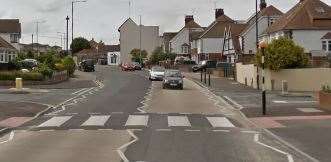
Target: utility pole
[
  {"x": 257, "y": 40},
  {"x": 32, "y": 43},
  {"x": 72, "y": 17},
  {"x": 141, "y": 59},
  {"x": 263, "y": 45},
  {"x": 67, "y": 41},
  {"x": 37, "y": 32}
]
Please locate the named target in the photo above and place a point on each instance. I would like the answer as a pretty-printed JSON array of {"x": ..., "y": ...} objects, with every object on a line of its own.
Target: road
[{"x": 128, "y": 118}]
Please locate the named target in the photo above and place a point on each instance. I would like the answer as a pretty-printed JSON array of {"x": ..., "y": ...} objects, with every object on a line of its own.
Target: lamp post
[
  {"x": 37, "y": 33},
  {"x": 72, "y": 17},
  {"x": 263, "y": 45},
  {"x": 67, "y": 41}
]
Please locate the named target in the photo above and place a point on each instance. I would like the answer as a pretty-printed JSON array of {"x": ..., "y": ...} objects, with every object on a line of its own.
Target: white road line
[
  {"x": 11, "y": 137},
  {"x": 76, "y": 129},
  {"x": 117, "y": 112},
  {"x": 217, "y": 122},
  {"x": 120, "y": 149},
  {"x": 252, "y": 132},
  {"x": 99, "y": 120},
  {"x": 51, "y": 130},
  {"x": 137, "y": 120},
  {"x": 221, "y": 130},
  {"x": 79, "y": 91},
  {"x": 56, "y": 121},
  {"x": 289, "y": 156},
  {"x": 163, "y": 130},
  {"x": 105, "y": 129},
  {"x": 178, "y": 121},
  {"x": 94, "y": 113},
  {"x": 192, "y": 130},
  {"x": 234, "y": 102}
]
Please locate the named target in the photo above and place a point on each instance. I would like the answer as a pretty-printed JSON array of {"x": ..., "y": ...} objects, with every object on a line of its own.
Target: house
[
  {"x": 10, "y": 31},
  {"x": 307, "y": 24},
  {"x": 133, "y": 36},
  {"x": 42, "y": 48},
  {"x": 210, "y": 42},
  {"x": 166, "y": 37},
  {"x": 101, "y": 51},
  {"x": 181, "y": 42},
  {"x": 266, "y": 17},
  {"x": 232, "y": 47},
  {"x": 7, "y": 53}
]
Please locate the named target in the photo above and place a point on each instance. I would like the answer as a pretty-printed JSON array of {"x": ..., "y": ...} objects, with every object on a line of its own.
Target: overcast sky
[{"x": 100, "y": 19}]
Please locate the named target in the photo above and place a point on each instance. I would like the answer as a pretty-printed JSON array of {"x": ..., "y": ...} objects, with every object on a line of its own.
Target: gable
[{"x": 127, "y": 22}]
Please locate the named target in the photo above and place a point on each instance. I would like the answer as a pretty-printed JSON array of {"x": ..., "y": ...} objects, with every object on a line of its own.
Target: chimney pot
[
  {"x": 263, "y": 5},
  {"x": 219, "y": 12},
  {"x": 188, "y": 18}
]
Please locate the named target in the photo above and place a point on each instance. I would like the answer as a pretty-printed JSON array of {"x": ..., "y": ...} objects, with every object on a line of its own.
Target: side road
[
  {"x": 295, "y": 120},
  {"x": 19, "y": 108}
]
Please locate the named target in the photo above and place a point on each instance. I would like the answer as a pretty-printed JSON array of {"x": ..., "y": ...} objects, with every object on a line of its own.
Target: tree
[
  {"x": 283, "y": 53},
  {"x": 79, "y": 44},
  {"x": 136, "y": 57},
  {"x": 159, "y": 55}
]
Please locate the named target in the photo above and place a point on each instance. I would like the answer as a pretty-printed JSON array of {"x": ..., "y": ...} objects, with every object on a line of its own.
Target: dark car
[
  {"x": 137, "y": 65},
  {"x": 87, "y": 65},
  {"x": 173, "y": 79},
  {"x": 204, "y": 65}
]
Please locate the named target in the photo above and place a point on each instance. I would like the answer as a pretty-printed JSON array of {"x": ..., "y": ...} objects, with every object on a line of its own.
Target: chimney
[
  {"x": 219, "y": 12},
  {"x": 188, "y": 18},
  {"x": 263, "y": 5}
]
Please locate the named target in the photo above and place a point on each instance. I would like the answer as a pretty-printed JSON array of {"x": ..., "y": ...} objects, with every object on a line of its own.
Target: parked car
[
  {"x": 203, "y": 65},
  {"x": 156, "y": 73},
  {"x": 137, "y": 65},
  {"x": 173, "y": 79},
  {"x": 127, "y": 67},
  {"x": 87, "y": 65},
  {"x": 29, "y": 63}
]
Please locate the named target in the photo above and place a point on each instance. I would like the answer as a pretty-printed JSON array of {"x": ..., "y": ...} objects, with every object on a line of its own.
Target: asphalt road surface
[{"x": 128, "y": 118}]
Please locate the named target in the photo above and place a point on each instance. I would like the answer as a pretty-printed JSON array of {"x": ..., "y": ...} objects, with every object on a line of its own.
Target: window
[
  {"x": 184, "y": 49},
  {"x": 324, "y": 45},
  {"x": 14, "y": 38},
  {"x": 9, "y": 58},
  {"x": 2, "y": 57},
  {"x": 329, "y": 46}
]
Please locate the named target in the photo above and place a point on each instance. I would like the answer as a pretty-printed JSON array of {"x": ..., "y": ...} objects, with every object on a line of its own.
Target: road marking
[
  {"x": 289, "y": 156},
  {"x": 51, "y": 130},
  {"x": 309, "y": 110},
  {"x": 219, "y": 122},
  {"x": 293, "y": 102},
  {"x": 178, "y": 121},
  {"x": 137, "y": 120},
  {"x": 99, "y": 120},
  {"x": 234, "y": 102},
  {"x": 95, "y": 113},
  {"x": 76, "y": 129},
  {"x": 79, "y": 91},
  {"x": 192, "y": 130},
  {"x": 221, "y": 130},
  {"x": 105, "y": 129},
  {"x": 11, "y": 137},
  {"x": 121, "y": 149},
  {"x": 56, "y": 121},
  {"x": 283, "y": 102},
  {"x": 117, "y": 112},
  {"x": 253, "y": 132},
  {"x": 163, "y": 130}
]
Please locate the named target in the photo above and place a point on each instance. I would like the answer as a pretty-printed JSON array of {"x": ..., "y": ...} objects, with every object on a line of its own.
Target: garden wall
[
  {"x": 304, "y": 79},
  {"x": 57, "y": 77}
]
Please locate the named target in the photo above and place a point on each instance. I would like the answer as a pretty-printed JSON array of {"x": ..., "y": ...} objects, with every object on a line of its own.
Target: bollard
[
  {"x": 205, "y": 81},
  {"x": 209, "y": 79},
  {"x": 19, "y": 84},
  {"x": 201, "y": 75}
]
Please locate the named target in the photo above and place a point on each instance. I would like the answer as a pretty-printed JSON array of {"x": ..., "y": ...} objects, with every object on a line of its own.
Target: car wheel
[
  {"x": 181, "y": 87},
  {"x": 163, "y": 86}
]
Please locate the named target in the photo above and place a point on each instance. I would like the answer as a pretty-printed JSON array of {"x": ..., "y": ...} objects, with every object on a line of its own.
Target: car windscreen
[
  {"x": 158, "y": 69},
  {"x": 173, "y": 74}
]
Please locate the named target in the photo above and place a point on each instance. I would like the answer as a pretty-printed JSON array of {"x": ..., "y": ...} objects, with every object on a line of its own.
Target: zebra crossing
[{"x": 122, "y": 121}]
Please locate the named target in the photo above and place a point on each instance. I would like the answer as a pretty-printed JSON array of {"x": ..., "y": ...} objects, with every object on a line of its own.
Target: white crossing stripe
[
  {"x": 137, "y": 120},
  {"x": 56, "y": 121},
  {"x": 98, "y": 120},
  {"x": 178, "y": 121},
  {"x": 219, "y": 122}
]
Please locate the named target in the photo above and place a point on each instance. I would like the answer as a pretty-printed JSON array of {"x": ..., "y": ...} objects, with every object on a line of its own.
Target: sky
[{"x": 100, "y": 19}]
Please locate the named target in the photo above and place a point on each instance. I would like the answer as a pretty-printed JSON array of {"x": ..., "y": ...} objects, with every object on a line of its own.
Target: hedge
[{"x": 12, "y": 75}]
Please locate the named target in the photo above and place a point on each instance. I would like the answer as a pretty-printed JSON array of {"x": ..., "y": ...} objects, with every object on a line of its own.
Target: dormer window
[
  {"x": 14, "y": 38},
  {"x": 185, "y": 49},
  {"x": 320, "y": 10},
  {"x": 324, "y": 47}
]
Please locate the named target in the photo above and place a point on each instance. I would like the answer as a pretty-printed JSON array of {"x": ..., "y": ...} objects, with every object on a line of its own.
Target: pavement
[
  {"x": 127, "y": 118},
  {"x": 295, "y": 119}
]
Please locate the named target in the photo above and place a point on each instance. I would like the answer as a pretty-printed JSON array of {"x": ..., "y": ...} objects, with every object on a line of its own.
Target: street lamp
[
  {"x": 37, "y": 33},
  {"x": 72, "y": 17},
  {"x": 67, "y": 41},
  {"x": 263, "y": 46},
  {"x": 62, "y": 38}
]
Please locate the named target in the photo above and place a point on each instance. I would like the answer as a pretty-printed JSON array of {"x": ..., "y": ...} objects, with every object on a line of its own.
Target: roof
[
  {"x": 5, "y": 44},
  {"x": 306, "y": 15},
  {"x": 112, "y": 48},
  {"x": 192, "y": 24},
  {"x": 236, "y": 29},
  {"x": 327, "y": 36},
  {"x": 268, "y": 11},
  {"x": 10, "y": 26},
  {"x": 127, "y": 20},
  {"x": 216, "y": 29},
  {"x": 195, "y": 35}
]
